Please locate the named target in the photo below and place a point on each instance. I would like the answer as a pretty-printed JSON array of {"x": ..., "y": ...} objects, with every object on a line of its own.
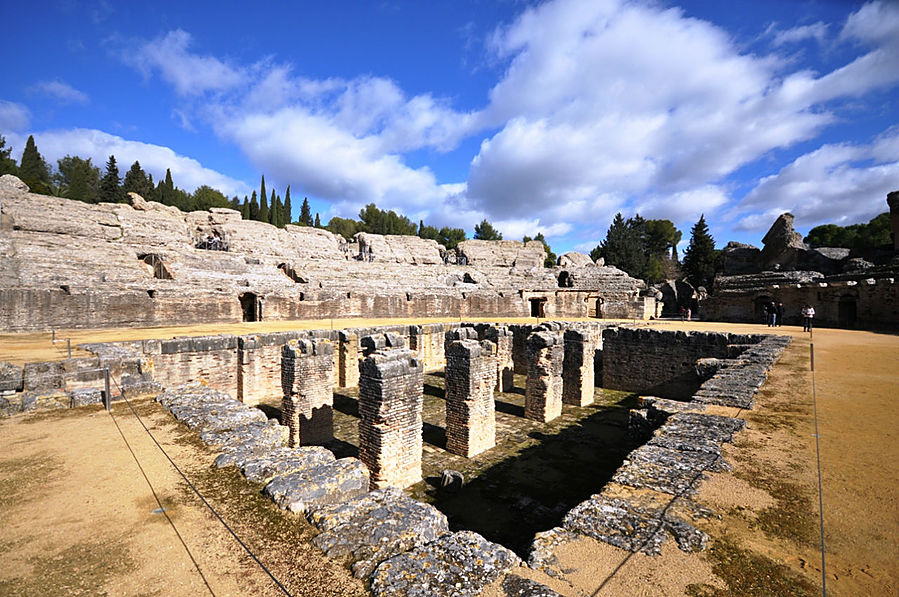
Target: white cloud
[
  {"x": 187, "y": 173},
  {"x": 63, "y": 92},
  {"x": 13, "y": 117},
  {"x": 189, "y": 74},
  {"x": 841, "y": 184},
  {"x": 816, "y": 31}
]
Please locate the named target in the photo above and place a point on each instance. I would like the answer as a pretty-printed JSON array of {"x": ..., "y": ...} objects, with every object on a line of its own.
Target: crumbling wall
[
  {"x": 659, "y": 363},
  {"x": 543, "y": 393},
  {"x": 391, "y": 386},
  {"x": 577, "y": 368},
  {"x": 470, "y": 409},
  {"x": 307, "y": 382}
]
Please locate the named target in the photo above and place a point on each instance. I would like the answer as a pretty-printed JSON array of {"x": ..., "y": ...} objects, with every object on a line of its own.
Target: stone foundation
[
  {"x": 470, "y": 410},
  {"x": 307, "y": 380},
  {"x": 391, "y": 385},
  {"x": 543, "y": 394}
]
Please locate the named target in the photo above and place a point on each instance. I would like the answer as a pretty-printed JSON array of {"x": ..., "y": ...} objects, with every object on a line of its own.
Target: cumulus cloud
[
  {"x": 187, "y": 173},
  {"x": 601, "y": 106},
  {"x": 836, "y": 183},
  {"x": 13, "y": 116},
  {"x": 188, "y": 73},
  {"x": 61, "y": 91}
]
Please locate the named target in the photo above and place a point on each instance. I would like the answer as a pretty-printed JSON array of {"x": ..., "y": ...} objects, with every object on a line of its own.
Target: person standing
[
  {"x": 780, "y": 313},
  {"x": 808, "y": 313}
]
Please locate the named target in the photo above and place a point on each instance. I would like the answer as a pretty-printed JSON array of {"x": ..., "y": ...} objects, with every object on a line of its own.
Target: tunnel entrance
[{"x": 251, "y": 307}]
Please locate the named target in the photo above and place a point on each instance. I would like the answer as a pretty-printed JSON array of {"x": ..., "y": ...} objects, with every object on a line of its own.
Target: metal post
[
  {"x": 53, "y": 336},
  {"x": 69, "y": 347},
  {"x": 812, "y": 353},
  {"x": 107, "y": 397}
]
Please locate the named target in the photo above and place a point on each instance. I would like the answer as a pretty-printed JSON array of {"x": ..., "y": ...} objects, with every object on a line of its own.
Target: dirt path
[{"x": 78, "y": 516}]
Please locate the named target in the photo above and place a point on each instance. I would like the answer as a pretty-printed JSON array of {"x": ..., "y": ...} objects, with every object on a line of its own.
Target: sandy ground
[{"x": 78, "y": 515}]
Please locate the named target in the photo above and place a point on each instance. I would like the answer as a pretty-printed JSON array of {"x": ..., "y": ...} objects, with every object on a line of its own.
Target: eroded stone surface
[
  {"x": 457, "y": 564},
  {"x": 375, "y": 527},
  {"x": 330, "y": 483},
  {"x": 283, "y": 461}
]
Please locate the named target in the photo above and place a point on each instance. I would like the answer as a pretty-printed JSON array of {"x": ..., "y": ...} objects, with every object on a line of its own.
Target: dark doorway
[
  {"x": 249, "y": 304},
  {"x": 565, "y": 280},
  {"x": 761, "y": 315},
  {"x": 538, "y": 307},
  {"x": 847, "y": 312}
]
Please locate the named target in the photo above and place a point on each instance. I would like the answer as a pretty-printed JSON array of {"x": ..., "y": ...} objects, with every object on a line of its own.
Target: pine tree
[
  {"x": 253, "y": 210},
  {"x": 111, "y": 184},
  {"x": 245, "y": 208},
  {"x": 262, "y": 195},
  {"x": 486, "y": 231},
  {"x": 262, "y": 216},
  {"x": 33, "y": 169},
  {"x": 623, "y": 245},
  {"x": 7, "y": 164},
  {"x": 318, "y": 223},
  {"x": 700, "y": 256},
  {"x": 288, "y": 210},
  {"x": 136, "y": 181},
  {"x": 78, "y": 179},
  {"x": 305, "y": 213}
]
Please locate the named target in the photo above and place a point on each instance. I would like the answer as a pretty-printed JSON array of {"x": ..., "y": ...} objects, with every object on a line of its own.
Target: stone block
[{"x": 543, "y": 393}]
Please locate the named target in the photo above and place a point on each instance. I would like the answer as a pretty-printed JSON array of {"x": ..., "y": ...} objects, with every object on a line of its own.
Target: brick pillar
[
  {"x": 348, "y": 359},
  {"x": 470, "y": 410},
  {"x": 520, "y": 335},
  {"x": 501, "y": 336},
  {"x": 391, "y": 384},
  {"x": 460, "y": 333},
  {"x": 543, "y": 394},
  {"x": 307, "y": 379},
  {"x": 577, "y": 368}
]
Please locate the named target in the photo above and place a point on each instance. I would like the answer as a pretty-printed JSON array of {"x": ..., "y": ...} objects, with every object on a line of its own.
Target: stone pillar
[
  {"x": 246, "y": 369},
  {"x": 543, "y": 394},
  {"x": 460, "y": 333},
  {"x": 501, "y": 336},
  {"x": 307, "y": 380},
  {"x": 391, "y": 385},
  {"x": 470, "y": 410},
  {"x": 577, "y": 368},
  {"x": 893, "y": 202}
]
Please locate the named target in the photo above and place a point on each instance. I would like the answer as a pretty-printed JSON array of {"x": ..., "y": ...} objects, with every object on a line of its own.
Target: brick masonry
[
  {"x": 501, "y": 336},
  {"x": 391, "y": 386},
  {"x": 543, "y": 393},
  {"x": 470, "y": 409},
  {"x": 307, "y": 382},
  {"x": 577, "y": 368}
]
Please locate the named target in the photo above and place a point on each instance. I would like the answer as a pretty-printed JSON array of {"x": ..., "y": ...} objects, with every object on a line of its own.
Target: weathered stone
[
  {"x": 330, "y": 483},
  {"x": 451, "y": 481},
  {"x": 457, "y": 564},
  {"x": 543, "y": 394},
  {"x": 284, "y": 461},
  {"x": 782, "y": 244},
  {"x": 10, "y": 377},
  {"x": 470, "y": 409},
  {"x": 375, "y": 529},
  {"x": 307, "y": 382},
  {"x": 541, "y": 555},
  {"x": 577, "y": 368},
  {"x": 575, "y": 259},
  {"x": 391, "y": 386}
]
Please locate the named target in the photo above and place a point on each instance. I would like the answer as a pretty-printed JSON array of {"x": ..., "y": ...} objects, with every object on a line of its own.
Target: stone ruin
[
  {"x": 848, "y": 288},
  {"x": 401, "y": 546},
  {"x": 68, "y": 264}
]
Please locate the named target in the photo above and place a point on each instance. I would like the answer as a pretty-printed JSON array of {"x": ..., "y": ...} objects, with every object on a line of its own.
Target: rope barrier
[
  {"x": 199, "y": 495},
  {"x": 820, "y": 484},
  {"x": 162, "y": 508}
]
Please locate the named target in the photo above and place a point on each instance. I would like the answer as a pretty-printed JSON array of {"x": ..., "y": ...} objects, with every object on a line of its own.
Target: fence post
[
  {"x": 107, "y": 397},
  {"x": 69, "y": 347},
  {"x": 53, "y": 336}
]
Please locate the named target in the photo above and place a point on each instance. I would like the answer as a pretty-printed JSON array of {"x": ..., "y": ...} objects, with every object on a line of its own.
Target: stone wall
[
  {"x": 470, "y": 409},
  {"x": 307, "y": 382},
  {"x": 208, "y": 359},
  {"x": 391, "y": 386},
  {"x": 501, "y": 337},
  {"x": 661, "y": 363}
]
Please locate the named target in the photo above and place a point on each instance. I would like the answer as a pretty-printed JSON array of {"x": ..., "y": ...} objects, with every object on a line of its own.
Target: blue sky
[{"x": 539, "y": 116}]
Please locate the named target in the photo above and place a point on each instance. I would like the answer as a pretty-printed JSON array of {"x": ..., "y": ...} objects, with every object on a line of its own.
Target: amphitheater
[{"x": 387, "y": 417}]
